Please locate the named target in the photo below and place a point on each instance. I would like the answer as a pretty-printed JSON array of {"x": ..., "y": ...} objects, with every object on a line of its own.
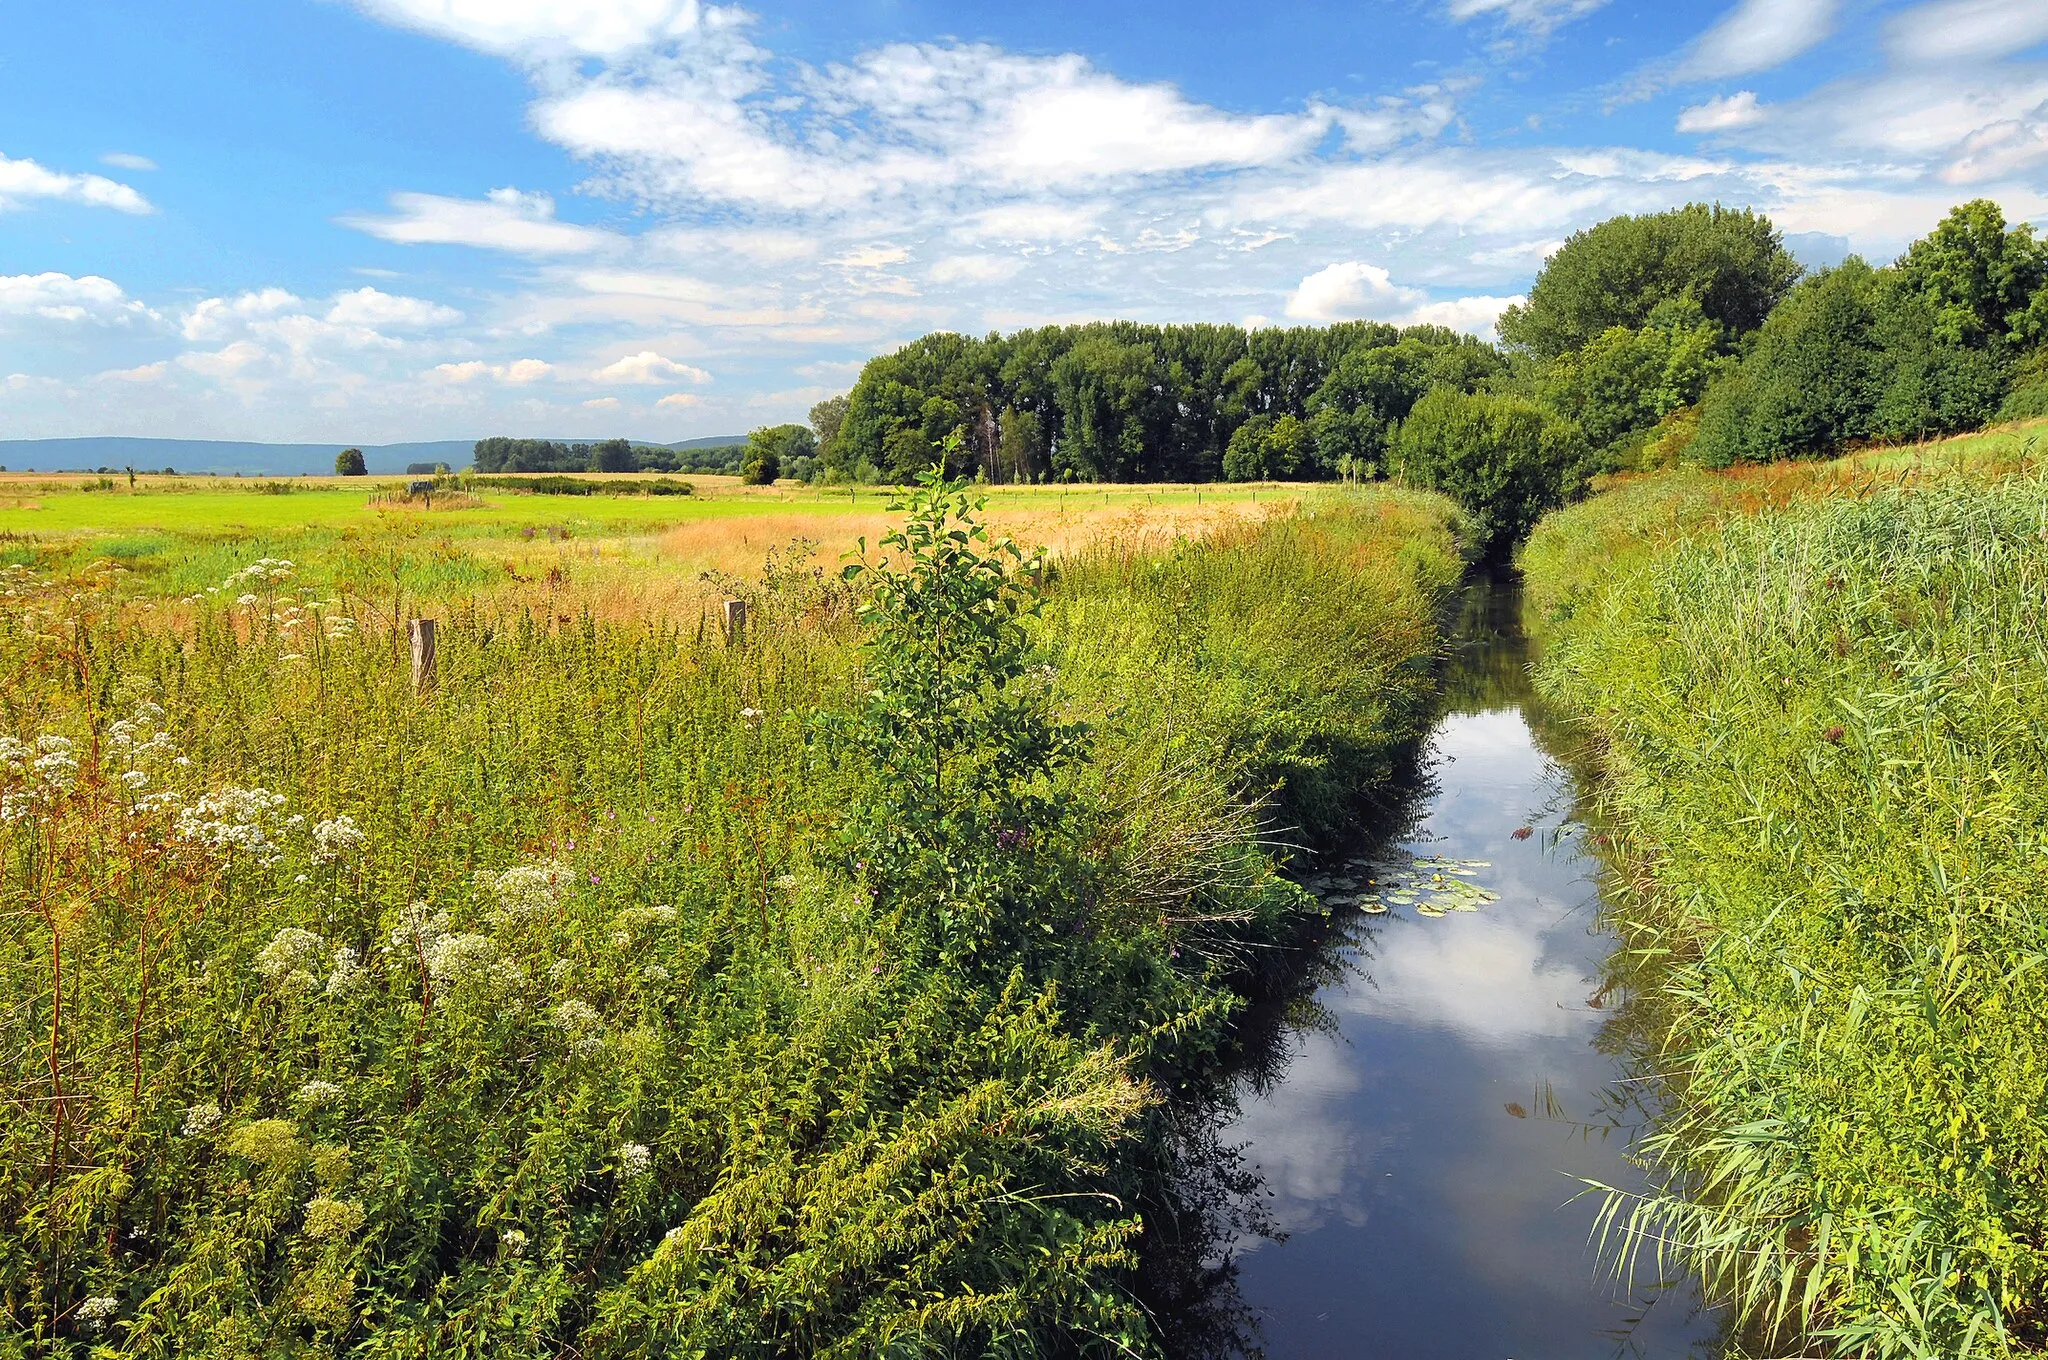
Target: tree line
[{"x": 502, "y": 454}]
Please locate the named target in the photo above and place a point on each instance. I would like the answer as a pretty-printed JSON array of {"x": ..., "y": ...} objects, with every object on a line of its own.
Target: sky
[{"x": 386, "y": 220}]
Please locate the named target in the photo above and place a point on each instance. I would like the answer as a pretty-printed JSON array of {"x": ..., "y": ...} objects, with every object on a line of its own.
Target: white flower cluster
[
  {"x": 96, "y": 1312},
  {"x": 527, "y": 890},
  {"x": 263, "y": 571},
  {"x": 235, "y": 820},
  {"x": 292, "y": 958},
  {"x": 201, "y": 1120},
  {"x": 41, "y": 774},
  {"x": 473, "y": 961},
  {"x": 635, "y": 1161},
  {"x": 349, "y": 975},
  {"x": 316, "y": 1093},
  {"x": 638, "y": 918},
  {"x": 512, "y": 1242},
  {"x": 334, "y": 838},
  {"x": 580, "y": 1021}
]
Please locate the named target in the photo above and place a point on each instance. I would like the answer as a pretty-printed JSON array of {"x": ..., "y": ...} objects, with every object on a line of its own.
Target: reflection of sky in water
[{"x": 1425, "y": 1219}]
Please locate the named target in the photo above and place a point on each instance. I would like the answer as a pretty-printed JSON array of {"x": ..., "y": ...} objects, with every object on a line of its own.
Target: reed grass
[{"x": 1820, "y": 720}]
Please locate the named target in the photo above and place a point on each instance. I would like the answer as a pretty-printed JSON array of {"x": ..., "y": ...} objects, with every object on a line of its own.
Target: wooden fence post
[
  {"x": 735, "y": 622},
  {"x": 422, "y": 655}
]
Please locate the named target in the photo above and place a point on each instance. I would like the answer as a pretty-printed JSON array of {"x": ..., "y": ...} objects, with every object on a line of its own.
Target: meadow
[
  {"x": 1815, "y": 696},
  {"x": 634, "y": 990}
]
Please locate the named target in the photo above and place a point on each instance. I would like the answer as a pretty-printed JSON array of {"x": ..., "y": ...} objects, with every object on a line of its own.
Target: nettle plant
[{"x": 961, "y": 833}]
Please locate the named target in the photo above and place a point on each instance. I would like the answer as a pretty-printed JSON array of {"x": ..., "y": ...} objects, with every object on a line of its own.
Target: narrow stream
[{"x": 1424, "y": 1117}]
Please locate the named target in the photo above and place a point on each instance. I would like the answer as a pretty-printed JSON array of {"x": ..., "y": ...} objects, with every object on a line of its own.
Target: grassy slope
[
  {"x": 1819, "y": 694},
  {"x": 845, "y": 1152}
]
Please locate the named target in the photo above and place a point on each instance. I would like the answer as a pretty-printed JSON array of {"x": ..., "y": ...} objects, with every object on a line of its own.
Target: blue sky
[{"x": 383, "y": 220}]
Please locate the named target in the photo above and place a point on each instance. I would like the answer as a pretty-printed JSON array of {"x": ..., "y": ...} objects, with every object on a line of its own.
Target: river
[{"x": 1422, "y": 1123}]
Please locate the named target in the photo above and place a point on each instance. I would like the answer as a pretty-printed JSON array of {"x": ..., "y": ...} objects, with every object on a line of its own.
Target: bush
[
  {"x": 1504, "y": 460},
  {"x": 349, "y": 463}
]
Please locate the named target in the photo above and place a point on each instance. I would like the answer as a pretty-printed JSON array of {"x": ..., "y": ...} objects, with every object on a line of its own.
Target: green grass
[
  {"x": 675, "y": 1086},
  {"x": 1820, "y": 718}
]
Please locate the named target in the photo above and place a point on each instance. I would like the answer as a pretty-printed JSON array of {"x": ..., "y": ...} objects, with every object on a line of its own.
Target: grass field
[
  {"x": 624, "y": 556},
  {"x": 563, "y": 1009},
  {"x": 1817, "y": 695}
]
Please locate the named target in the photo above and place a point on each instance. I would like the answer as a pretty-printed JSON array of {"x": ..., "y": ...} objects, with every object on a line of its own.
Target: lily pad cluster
[{"x": 1432, "y": 886}]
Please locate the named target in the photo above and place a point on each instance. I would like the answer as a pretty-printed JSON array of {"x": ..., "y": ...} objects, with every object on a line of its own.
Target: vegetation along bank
[
  {"x": 1817, "y": 694},
  {"x": 630, "y": 990}
]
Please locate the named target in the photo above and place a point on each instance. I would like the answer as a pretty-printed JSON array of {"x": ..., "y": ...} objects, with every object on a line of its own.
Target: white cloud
[
  {"x": 142, "y": 373},
  {"x": 678, "y": 400},
  {"x": 60, "y": 297},
  {"x": 518, "y": 373},
  {"x": 1350, "y": 290},
  {"x": 378, "y": 310},
  {"x": 1475, "y": 315},
  {"x": 227, "y": 362},
  {"x": 975, "y": 269},
  {"x": 1738, "y": 110},
  {"x": 2000, "y": 150},
  {"x": 648, "y": 367},
  {"x": 602, "y": 404},
  {"x": 127, "y": 160},
  {"x": 1967, "y": 30},
  {"x": 24, "y": 181},
  {"x": 1539, "y": 16},
  {"x": 1758, "y": 35},
  {"x": 215, "y": 318},
  {"x": 504, "y": 219},
  {"x": 599, "y": 28}
]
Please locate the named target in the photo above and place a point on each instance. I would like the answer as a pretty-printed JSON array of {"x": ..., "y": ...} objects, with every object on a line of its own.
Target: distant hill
[{"x": 252, "y": 459}]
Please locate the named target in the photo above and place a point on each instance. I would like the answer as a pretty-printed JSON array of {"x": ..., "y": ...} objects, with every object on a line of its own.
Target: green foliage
[
  {"x": 1983, "y": 285},
  {"x": 1731, "y": 263},
  {"x": 773, "y": 448},
  {"x": 349, "y": 463},
  {"x": 2028, "y": 398},
  {"x": 539, "y": 1014},
  {"x": 1504, "y": 460},
  {"x": 1268, "y": 450},
  {"x": 960, "y": 833},
  {"x": 1821, "y": 729},
  {"x": 1623, "y": 382},
  {"x": 827, "y": 418}
]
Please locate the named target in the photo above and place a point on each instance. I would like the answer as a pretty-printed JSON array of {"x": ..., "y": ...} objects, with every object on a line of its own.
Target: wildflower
[
  {"x": 291, "y": 958},
  {"x": 316, "y": 1093},
  {"x": 528, "y": 890},
  {"x": 94, "y": 1313},
  {"x": 654, "y": 972},
  {"x": 234, "y": 820},
  {"x": 579, "y": 1020},
  {"x": 245, "y": 600},
  {"x": 635, "y": 1161},
  {"x": 201, "y": 1120},
  {"x": 560, "y": 969},
  {"x": 349, "y": 976},
  {"x": 335, "y": 837},
  {"x": 459, "y": 960},
  {"x": 512, "y": 1242},
  {"x": 135, "y": 779},
  {"x": 329, "y": 1220},
  {"x": 417, "y": 929},
  {"x": 753, "y": 714}
]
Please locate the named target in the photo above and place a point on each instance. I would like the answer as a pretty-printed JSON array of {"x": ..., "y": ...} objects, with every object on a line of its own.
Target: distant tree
[
  {"x": 1623, "y": 382},
  {"x": 349, "y": 463},
  {"x": 1505, "y": 460},
  {"x": 613, "y": 455},
  {"x": 826, "y": 419},
  {"x": 771, "y": 448},
  {"x": 1732, "y": 262}
]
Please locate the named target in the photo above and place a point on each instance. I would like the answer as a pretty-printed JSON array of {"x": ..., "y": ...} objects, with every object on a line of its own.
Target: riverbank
[
  {"x": 1818, "y": 715},
  {"x": 548, "y": 1005}
]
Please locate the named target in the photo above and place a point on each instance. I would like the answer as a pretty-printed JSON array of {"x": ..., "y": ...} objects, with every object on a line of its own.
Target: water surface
[{"x": 1423, "y": 1126}]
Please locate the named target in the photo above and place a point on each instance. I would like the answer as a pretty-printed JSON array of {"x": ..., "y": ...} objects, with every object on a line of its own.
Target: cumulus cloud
[
  {"x": 386, "y": 311},
  {"x": 1738, "y": 110},
  {"x": 1758, "y": 35},
  {"x": 24, "y": 181},
  {"x": 601, "y": 28},
  {"x": 62, "y": 298},
  {"x": 648, "y": 367},
  {"x": 1350, "y": 290},
  {"x": 504, "y": 219},
  {"x": 1967, "y": 30},
  {"x": 678, "y": 400}
]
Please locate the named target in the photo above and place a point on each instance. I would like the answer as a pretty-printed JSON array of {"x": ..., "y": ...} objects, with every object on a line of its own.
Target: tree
[
  {"x": 773, "y": 448},
  {"x": 826, "y": 419},
  {"x": 349, "y": 463},
  {"x": 1625, "y": 381},
  {"x": 1732, "y": 262},
  {"x": 613, "y": 455},
  {"x": 1983, "y": 284},
  {"x": 1505, "y": 460}
]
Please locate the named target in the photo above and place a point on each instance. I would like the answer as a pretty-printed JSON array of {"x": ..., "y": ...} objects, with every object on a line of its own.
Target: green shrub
[{"x": 1504, "y": 460}]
